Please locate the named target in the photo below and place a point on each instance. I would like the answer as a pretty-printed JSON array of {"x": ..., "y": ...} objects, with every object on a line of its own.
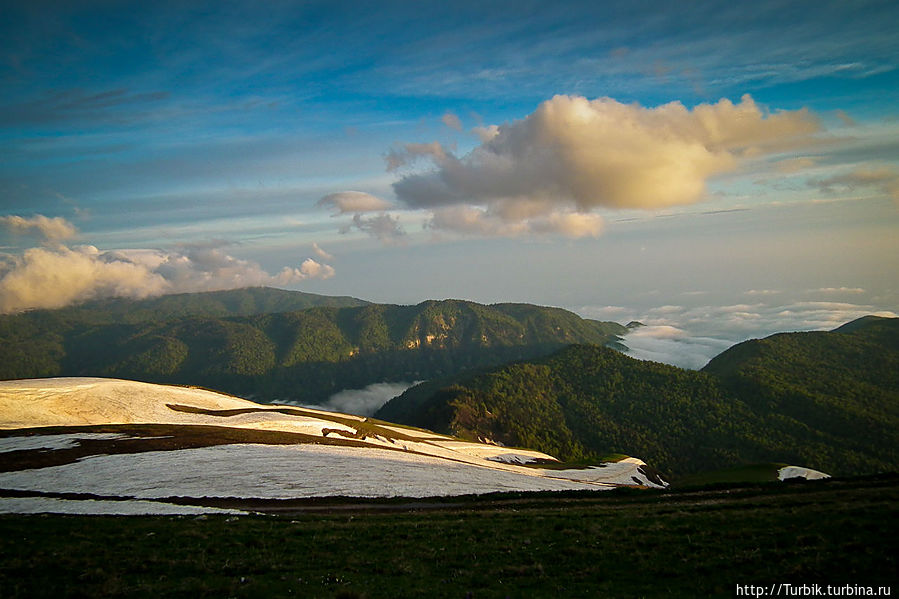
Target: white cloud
[
  {"x": 452, "y": 121},
  {"x": 54, "y": 277},
  {"x": 763, "y": 292},
  {"x": 573, "y": 155},
  {"x": 320, "y": 252},
  {"x": 794, "y": 165},
  {"x": 830, "y": 290},
  {"x": 569, "y": 224},
  {"x": 409, "y": 153},
  {"x": 309, "y": 269},
  {"x": 366, "y": 401},
  {"x": 671, "y": 345},
  {"x": 884, "y": 179},
  {"x": 383, "y": 227},
  {"x": 54, "y": 229},
  {"x": 472, "y": 220},
  {"x": 487, "y": 133},
  {"x": 345, "y": 202}
]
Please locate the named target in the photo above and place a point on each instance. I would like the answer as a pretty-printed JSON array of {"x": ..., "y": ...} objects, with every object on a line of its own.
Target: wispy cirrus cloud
[
  {"x": 60, "y": 106},
  {"x": 344, "y": 202},
  {"x": 881, "y": 178},
  {"x": 451, "y": 120},
  {"x": 322, "y": 254}
]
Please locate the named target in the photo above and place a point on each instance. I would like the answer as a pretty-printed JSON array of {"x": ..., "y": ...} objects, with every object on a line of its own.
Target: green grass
[
  {"x": 623, "y": 544},
  {"x": 754, "y": 473}
]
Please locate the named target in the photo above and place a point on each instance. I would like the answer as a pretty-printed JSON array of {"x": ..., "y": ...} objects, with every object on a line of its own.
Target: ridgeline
[
  {"x": 270, "y": 345},
  {"x": 827, "y": 400}
]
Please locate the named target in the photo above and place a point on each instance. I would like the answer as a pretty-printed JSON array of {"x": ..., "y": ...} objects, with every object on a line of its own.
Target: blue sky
[{"x": 535, "y": 154}]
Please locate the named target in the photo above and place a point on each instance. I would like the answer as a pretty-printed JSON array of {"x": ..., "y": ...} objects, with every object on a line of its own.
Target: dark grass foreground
[{"x": 627, "y": 544}]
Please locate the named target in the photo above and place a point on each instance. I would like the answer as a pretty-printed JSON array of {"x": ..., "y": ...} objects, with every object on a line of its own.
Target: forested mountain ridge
[
  {"x": 301, "y": 355},
  {"x": 829, "y": 401},
  {"x": 232, "y": 302}
]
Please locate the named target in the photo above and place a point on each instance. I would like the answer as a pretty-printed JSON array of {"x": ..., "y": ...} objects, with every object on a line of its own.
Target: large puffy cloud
[
  {"x": 53, "y": 278},
  {"x": 50, "y": 229},
  {"x": 56, "y": 276},
  {"x": 573, "y": 155}
]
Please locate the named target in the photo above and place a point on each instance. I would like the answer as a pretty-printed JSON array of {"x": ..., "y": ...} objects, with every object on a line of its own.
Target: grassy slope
[
  {"x": 687, "y": 544},
  {"x": 840, "y": 388},
  {"x": 586, "y": 401},
  {"x": 829, "y": 401}
]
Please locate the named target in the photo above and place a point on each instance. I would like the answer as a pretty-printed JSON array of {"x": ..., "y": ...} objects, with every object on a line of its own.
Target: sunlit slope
[
  {"x": 301, "y": 355},
  {"x": 143, "y": 431}
]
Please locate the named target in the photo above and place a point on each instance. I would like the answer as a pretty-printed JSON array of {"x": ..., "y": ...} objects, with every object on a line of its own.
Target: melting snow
[
  {"x": 52, "y": 441},
  {"x": 49, "y": 505},
  {"x": 624, "y": 472},
  {"x": 277, "y": 472},
  {"x": 800, "y": 472},
  {"x": 418, "y": 463}
]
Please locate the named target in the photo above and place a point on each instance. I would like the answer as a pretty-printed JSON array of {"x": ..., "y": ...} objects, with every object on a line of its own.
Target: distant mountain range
[
  {"x": 827, "y": 400},
  {"x": 270, "y": 344},
  {"x": 517, "y": 374}
]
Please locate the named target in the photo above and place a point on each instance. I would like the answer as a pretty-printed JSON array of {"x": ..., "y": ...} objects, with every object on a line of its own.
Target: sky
[{"x": 716, "y": 170}]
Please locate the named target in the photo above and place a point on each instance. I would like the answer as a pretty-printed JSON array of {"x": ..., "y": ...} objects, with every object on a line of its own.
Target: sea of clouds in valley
[{"x": 690, "y": 336}]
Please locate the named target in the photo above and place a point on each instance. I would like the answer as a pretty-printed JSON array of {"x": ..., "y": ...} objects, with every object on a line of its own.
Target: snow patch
[
  {"x": 49, "y": 505},
  {"x": 277, "y": 472},
  {"x": 52, "y": 442},
  {"x": 623, "y": 472},
  {"x": 799, "y": 472},
  {"x": 394, "y": 461}
]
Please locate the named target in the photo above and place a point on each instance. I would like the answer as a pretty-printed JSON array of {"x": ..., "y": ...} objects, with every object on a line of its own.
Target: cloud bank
[
  {"x": 690, "y": 336},
  {"x": 366, "y": 401},
  {"x": 548, "y": 171},
  {"x": 54, "y": 277}
]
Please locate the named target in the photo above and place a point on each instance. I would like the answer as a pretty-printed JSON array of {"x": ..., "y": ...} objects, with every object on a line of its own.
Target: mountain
[
  {"x": 235, "y": 342},
  {"x": 583, "y": 402},
  {"x": 839, "y": 387},
  {"x": 828, "y": 400}
]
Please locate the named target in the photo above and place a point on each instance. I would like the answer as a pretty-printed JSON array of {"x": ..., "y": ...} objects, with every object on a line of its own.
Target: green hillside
[
  {"x": 829, "y": 401},
  {"x": 304, "y": 355}
]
